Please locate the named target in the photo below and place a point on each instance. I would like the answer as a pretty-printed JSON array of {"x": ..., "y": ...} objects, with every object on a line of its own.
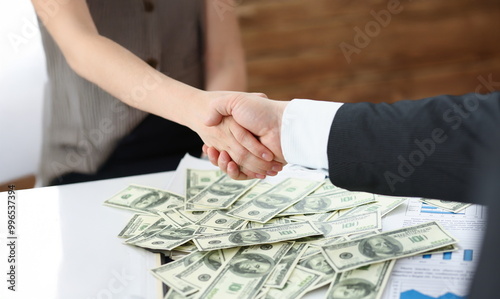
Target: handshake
[{"x": 242, "y": 134}]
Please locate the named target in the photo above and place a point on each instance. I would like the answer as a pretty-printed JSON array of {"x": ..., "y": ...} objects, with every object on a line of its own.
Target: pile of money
[{"x": 252, "y": 239}]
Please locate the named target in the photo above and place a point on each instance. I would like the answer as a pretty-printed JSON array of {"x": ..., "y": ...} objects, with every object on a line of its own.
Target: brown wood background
[{"x": 429, "y": 48}]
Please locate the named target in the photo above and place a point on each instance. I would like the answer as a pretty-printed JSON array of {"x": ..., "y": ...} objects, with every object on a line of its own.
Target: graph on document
[
  {"x": 439, "y": 275},
  {"x": 417, "y": 208}
]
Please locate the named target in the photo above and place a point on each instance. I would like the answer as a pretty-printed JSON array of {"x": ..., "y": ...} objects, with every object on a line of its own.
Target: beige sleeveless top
[{"x": 83, "y": 123}]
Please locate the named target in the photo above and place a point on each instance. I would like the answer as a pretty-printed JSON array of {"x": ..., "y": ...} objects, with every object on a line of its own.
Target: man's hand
[{"x": 257, "y": 114}]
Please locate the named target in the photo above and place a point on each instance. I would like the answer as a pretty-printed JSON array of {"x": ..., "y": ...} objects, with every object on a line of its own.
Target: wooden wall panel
[{"x": 427, "y": 48}]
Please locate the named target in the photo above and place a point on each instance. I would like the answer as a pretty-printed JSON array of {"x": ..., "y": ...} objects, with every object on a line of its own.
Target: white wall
[{"x": 22, "y": 79}]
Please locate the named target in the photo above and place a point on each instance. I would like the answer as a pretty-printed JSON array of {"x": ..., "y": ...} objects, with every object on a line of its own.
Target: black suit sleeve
[{"x": 423, "y": 148}]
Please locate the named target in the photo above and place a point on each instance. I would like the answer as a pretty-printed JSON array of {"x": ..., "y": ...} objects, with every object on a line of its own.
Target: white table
[{"x": 67, "y": 245}]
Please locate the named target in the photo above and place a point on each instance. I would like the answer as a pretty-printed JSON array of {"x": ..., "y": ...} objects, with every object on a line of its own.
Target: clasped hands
[{"x": 254, "y": 121}]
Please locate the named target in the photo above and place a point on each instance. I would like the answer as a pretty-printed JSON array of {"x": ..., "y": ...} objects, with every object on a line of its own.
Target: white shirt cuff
[{"x": 305, "y": 130}]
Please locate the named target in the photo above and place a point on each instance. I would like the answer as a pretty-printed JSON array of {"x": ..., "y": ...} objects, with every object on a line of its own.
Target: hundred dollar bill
[
  {"x": 394, "y": 244},
  {"x": 175, "y": 218},
  {"x": 245, "y": 274},
  {"x": 270, "y": 203},
  {"x": 203, "y": 230},
  {"x": 197, "y": 180},
  {"x": 331, "y": 202},
  {"x": 138, "y": 224},
  {"x": 145, "y": 199},
  {"x": 365, "y": 282},
  {"x": 272, "y": 222},
  {"x": 318, "y": 262},
  {"x": 263, "y": 235},
  {"x": 204, "y": 270},
  {"x": 311, "y": 250},
  {"x": 165, "y": 239},
  {"x": 451, "y": 206},
  {"x": 188, "y": 247},
  {"x": 192, "y": 216},
  {"x": 222, "y": 193},
  {"x": 350, "y": 225},
  {"x": 384, "y": 204},
  {"x": 155, "y": 227},
  {"x": 361, "y": 235},
  {"x": 219, "y": 219},
  {"x": 317, "y": 217},
  {"x": 300, "y": 282},
  {"x": 284, "y": 268},
  {"x": 168, "y": 273},
  {"x": 255, "y": 191},
  {"x": 326, "y": 189}
]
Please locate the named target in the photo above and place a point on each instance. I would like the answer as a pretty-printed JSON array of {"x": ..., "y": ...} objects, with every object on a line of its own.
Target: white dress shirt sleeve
[{"x": 305, "y": 130}]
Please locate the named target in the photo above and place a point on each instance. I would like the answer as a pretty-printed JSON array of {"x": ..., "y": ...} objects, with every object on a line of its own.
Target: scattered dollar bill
[
  {"x": 257, "y": 190},
  {"x": 317, "y": 217},
  {"x": 192, "y": 216},
  {"x": 273, "y": 222},
  {"x": 284, "y": 268},
  {"x": 205, "y": 230},
  {"x": 166, "y": 239},
  {"x": 197, "y": 180},
  {"x": 188, "y": 247},
  {"x": 350, "y": 225},
  {"x": 155, "y": 227},
  {"x": 318, "y": 262},
  {"x": 245, "y": 274},
  {"x": 263, "y": 235},
  {"x": 138, "y": 224},
  {"x": 203, "y": 271},
  {"x": 331, "y": 202},
  {"x": 175, "y": 218},
  {"x": 168, "y": 273},
  {"x": 222, "y": 193},
  {"x": 451, "y": 206},
  {"x": 244, "y": 239},
  {"x": 145, "y": 199},
  {"x": 300, "y": 281},
  {"x": 384, "y": 204},
  {"x": 221, "y": 220},
  {"x": 365, "y": 282},
  {"x": 387, "y": 245},
  {"x": 270, "y": 203}
]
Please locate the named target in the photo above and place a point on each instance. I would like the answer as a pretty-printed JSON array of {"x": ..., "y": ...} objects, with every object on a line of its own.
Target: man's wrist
[{"x": 305, "y": 131}]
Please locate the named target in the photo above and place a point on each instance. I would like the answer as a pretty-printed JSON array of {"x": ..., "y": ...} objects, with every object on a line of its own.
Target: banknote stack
[{"x": 252, "y": 239}]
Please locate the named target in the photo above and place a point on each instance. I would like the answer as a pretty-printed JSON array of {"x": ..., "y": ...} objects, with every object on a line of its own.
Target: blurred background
[
  {"x": 338, "y": 50},
  {"x": 427, "y": 48}
]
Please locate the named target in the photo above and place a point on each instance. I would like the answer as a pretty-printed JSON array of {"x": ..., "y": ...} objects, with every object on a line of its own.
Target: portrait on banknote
[
  {"x": 312, "y": 204},
  {"x": 271, "y": 201},
  {"x": 175, "y": 233},
  {"x": 354, "y": 288},
  {"x": 317, "y": 262},
  {"x": 192, "y": 191},
  {"x": 380, "y": 246},
  {"x": 226, "y": 188},
  {"x": 212, "y": 260},
  {"x": 249, "y": 237},
  {"x": 325, "y": 228},
  {"x": 251, "y": 265},
  {"x": 149, "y": 200}
]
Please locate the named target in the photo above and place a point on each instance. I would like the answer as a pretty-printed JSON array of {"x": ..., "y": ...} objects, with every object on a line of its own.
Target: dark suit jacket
[{"x": 445, "y": 147}]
